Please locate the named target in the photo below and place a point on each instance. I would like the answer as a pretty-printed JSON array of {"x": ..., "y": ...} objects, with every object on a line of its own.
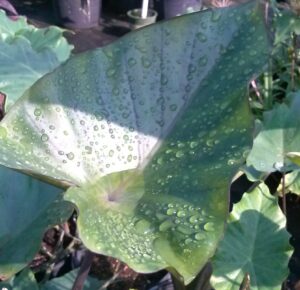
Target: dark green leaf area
[{"x": 27, "y": 208}]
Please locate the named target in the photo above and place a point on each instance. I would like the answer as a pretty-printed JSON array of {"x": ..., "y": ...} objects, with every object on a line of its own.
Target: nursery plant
[{"x": 144, "y": 137}]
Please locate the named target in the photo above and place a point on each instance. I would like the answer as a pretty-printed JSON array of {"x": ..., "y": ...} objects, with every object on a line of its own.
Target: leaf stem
[
  {"x": 83, "y": 271},
  {"x": 283, "y": 193}
]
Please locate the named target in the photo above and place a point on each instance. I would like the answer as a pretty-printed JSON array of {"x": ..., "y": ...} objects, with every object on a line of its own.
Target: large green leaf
[
  {"x": 278, "y": 138},
  {"x": 255, "y": 241},
  {"x": 27, "y": 208},
  {"x": 152, "y": 129},
  {"x": 26, "y": 54}
]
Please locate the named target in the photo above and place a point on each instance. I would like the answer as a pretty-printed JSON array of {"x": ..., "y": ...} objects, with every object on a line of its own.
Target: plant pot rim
[{"x": 136, "y": 13}]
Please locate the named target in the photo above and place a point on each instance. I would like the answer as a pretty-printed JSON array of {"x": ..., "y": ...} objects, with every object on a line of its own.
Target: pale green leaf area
[
  {"x": 66, "y": 282},
  {"x": 143, "y": 127},
  {"x": 292, "y": 182},
  {"x": 39, "y": 38},
  {"x": 23, "y": 281},
  {"x": 255, "y": 242},
  {"x": 27, "y": 208},
  {"x": 26, "y": 54},
  {"x": 278, "y": 138}
]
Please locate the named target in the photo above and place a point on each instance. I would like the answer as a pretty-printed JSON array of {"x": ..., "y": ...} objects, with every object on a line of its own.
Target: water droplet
[
  {"x": 193, "y": 219},
  {"x": 171, "y": 211},
  {"x": 44, "y": 137},
  {"x": 199, "y": 236},
  {"x": 70, "y": 156},
  {"x": 173, "y": 107},
  {"x": 181, "y": 213},
  {"x": 193, "y": 144},
  {"x": 209, "y": 227},
  {"x": 37, "y": 112},
  {"x": 166, "y": 225},
  {"x": 111, "y": 72},
  {"x": 146, "y": 62},
  {"x": 3, "y": 132},
  {"x": 188, "y": 241},
  {"x": 201, "y": 37},
  {"x": 184, "y": 230},
  {"x": 179, "y": 154},
  {"x": 88, "y": 149},
  {"x": 215, "y": 16},
  {"x": 164, "y": 80},
  {"x": 202, "y": 61},
  {"x": 111, "y": 153},
  {"x": 131, "y": 62},
  {"x": 143, "y": 226}
]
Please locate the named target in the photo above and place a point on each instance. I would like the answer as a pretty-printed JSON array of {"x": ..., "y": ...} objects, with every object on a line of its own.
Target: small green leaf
[
  {"x": 292, "y": 182},
  {"x": 66, "y": 282},
  {"x": 278, "y": 140},
  {"x": 27, "y": 208},
  {"x": 255, "y": 238},
  {"x": 26, "y": 54}
]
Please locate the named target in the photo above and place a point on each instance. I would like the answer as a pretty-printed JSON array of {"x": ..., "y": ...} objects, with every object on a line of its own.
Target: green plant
[{"x": 146, "y": 134}]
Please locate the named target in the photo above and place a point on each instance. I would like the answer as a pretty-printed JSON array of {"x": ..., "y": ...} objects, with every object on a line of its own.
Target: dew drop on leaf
[
  {"x": 209, "y": 227},
  {"x": 70, "y": 156},
  {"x": 44, "y": 137},
  {"x": 166, "y": 225},
  {"x": 37, "y": 112}
]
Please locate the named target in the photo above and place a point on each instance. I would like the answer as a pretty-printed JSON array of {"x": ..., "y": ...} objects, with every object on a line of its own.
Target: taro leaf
[
  {"x": 255, "y": 238},
  {"x": 26, "y": 54},
  {"x": 23, "y": 281},
  {"x": 152, "y": 129},
  {"x": 66, "y": 282},
  {"x": 27, "y": 208},
  {"x": 40, "y": 38},
  {"x": 279, "y": 135}
]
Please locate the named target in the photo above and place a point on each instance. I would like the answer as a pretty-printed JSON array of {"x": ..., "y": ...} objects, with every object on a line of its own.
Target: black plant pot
[
  {"x": 171, "y": 8},
  {"x": 77, "y": 13}
]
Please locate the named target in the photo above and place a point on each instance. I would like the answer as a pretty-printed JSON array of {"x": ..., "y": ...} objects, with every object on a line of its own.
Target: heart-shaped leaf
[
  {"x": 255, "y": 238},
  {"x": 145, "y": 126},
  {"x": 279, "y": 139},
  {"x": 27, "y": 208},
  {"x": 26, "y": 54}
]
